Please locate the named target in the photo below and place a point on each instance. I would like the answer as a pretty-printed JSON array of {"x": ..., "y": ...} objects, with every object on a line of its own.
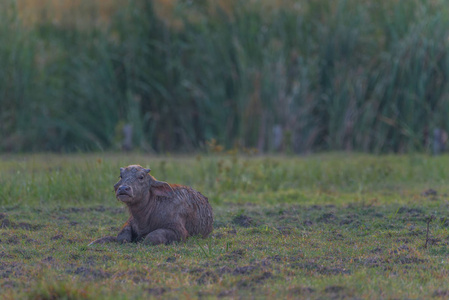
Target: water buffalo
[{"x": 160, "y": 213}]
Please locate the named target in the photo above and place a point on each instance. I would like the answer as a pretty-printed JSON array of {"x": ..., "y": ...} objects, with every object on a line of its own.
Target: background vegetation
[{"x": 346, "y": 74}]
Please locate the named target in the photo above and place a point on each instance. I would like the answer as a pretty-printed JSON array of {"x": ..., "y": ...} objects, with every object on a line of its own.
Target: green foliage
[{"x": 341, "y": 75}]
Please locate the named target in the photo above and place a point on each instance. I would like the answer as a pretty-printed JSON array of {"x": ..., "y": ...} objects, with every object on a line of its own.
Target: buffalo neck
[{"x": 141, "y": 210}]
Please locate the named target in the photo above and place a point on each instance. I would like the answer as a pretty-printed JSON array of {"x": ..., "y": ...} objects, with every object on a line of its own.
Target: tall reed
[{"x": 332, "y": 75}]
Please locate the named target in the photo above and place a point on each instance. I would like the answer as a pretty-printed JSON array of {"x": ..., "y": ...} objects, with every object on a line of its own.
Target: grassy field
[{"x": 320, "y": 226}]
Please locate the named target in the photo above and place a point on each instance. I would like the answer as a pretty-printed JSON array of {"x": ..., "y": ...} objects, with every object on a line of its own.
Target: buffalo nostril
[{"x": 123, "y": 189}]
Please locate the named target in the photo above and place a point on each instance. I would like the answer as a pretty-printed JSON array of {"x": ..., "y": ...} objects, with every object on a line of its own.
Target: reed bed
[{"x": 324, "y": 75}]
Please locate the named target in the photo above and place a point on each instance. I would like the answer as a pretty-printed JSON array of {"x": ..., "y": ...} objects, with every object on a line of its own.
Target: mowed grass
[{"x": 320, "y": 226}]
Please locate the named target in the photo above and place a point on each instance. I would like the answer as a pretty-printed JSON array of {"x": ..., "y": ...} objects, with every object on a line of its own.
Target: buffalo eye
[{"x": 141, "y": 177}]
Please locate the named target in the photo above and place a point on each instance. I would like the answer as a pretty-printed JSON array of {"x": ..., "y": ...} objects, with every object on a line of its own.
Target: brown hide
[{"x": 160, "y": 213}]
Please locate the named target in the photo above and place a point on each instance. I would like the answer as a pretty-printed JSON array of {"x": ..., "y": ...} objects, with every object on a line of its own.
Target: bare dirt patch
[
  {"x": 313, "y": 267},
  {"x": 411, "y": 211},
  {"x": 285, "y": 230},
  {"x": 88, "y": 273},
  {"x": 440, "y": 293},
  {"x": 207, "y": 277},
  {"x": 243, "y": 221},
  {"x": 307, "y": 223},
  {"x": 10, "y": 270},
  {"x": 304, "y": 291},
  {"x": 223, "y": 270},
  {"x": 429, "y": 193},
  {"x": 327, "y": 217},
  {"x": 171, "y": 259},
  {"x": 57, "y": 237},
  {"x": 157, "y": 291},
  {"x": 244, "y": 270},
  {"x": 226, "y": 293},
  {"x": 234, "y": 255},
  {"x": 336, "y": 292},
  {"x": 6, "y": 223},
  {"x": 3, "y": 254}
]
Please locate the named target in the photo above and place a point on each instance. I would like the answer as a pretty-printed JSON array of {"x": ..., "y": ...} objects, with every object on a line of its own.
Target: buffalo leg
[
  {"x": 125, "y": 235},
  {"x": 162, "y": 236}
]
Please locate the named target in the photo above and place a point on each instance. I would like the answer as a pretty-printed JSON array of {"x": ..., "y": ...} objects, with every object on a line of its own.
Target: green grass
[{"x": 331, "y": 225}]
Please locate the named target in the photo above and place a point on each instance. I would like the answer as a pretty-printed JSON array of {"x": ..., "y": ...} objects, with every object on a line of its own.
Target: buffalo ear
[{"x": 160, "y": 188}]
